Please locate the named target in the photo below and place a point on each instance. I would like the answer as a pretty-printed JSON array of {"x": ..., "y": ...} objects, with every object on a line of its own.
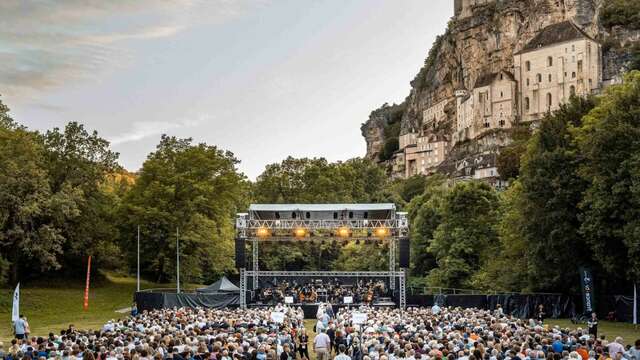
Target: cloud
[
  {"x": 144, "y": 129},
  {"x": 51, "y": 43}
]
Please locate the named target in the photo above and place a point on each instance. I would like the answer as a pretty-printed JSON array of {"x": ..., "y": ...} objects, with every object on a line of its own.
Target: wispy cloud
[
  {"x": 144, "y": 129},
  {"x": 52, "y": 43}
]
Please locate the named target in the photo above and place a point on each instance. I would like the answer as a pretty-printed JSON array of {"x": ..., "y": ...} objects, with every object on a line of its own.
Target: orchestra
[{"x": 321, "y": 290}]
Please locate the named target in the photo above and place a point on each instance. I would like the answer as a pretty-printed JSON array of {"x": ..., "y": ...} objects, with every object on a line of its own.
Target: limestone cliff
[{"x": 480, "y": 42}]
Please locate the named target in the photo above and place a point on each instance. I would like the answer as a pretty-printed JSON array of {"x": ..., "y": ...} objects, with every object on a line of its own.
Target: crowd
[
  {"x": 323, "y": 290},
  {"x": 178, "y": 334},
  {"x": 385, "y": 334}
]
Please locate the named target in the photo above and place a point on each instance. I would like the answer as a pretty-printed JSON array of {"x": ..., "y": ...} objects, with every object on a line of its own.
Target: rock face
[{"x": 482, "y": 38}]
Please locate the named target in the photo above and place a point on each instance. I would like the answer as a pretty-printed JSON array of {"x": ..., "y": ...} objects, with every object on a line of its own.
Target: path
[{"x": 308, "y": 325}]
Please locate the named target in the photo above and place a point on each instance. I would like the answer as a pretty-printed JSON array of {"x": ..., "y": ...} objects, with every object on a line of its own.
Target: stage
[{"x": 310, "y": 310}]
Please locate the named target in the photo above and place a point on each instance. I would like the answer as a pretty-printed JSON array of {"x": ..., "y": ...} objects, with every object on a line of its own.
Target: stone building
[
  {"x": 490, "y": 105},
  {"x": 424, "y": 157},
  {"x": 560, "y": 61}
]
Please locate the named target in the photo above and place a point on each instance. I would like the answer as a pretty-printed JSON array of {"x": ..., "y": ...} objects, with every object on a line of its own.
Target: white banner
[
  {"x": 277, "y": 317},
  {"x": 288, "y": 299},
  {"x": 359, "y": 318},
  {"x": 348, "y": 299},
  {"x": 15, "y": 313}
]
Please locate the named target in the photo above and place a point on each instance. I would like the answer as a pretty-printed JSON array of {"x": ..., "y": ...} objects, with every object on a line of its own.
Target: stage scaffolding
[{"x": 363, "y": 222}]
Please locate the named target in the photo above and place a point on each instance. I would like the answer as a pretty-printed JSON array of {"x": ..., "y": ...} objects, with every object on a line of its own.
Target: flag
[{"x": 15, "y": 313}]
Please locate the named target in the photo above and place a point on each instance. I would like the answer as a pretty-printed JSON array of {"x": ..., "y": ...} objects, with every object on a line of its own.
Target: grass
[
  {"x": 52, "y": 306},
  {"x": 629, "y": 332}
]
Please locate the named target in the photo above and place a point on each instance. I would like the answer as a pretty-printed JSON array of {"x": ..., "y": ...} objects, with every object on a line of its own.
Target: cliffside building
[{"x": 559, "y": 61}]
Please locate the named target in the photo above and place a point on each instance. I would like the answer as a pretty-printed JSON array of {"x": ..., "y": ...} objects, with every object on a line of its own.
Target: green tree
[
  {"x": 508, "y": 160},
  {"x": 466, "y": 236},
  {"x": 425, "y": 217},
  {"x": 551, "y": 191},
  {"x": 78, "y": 162},
  {"x": 32, "y": 216},
  {"x": 609, "y": 140},
  {"x": 195, "y": 188}
]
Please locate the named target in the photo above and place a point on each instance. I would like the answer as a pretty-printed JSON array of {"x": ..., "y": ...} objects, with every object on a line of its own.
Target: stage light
[
  {"x": 343, "y": 232},
  {"x": 382, "y": 232},
  {"x": 300, "y": 232},
  {"x": 263, "y": 232}
]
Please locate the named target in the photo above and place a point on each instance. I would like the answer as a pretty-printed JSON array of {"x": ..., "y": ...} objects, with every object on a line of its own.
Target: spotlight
[
  {"x": 300, "y": 232},
  {"x": 263, "y": 232},
  {"x": 343, "y": 232},
  {"x": 382, "y": 232}
]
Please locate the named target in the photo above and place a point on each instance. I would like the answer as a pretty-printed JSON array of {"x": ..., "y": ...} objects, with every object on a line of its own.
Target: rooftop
[{"x": 554, "y": 34}]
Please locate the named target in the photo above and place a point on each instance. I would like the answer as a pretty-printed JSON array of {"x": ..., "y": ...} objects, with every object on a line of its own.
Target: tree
[
  {"x": 551, "y": 191},
  {"x": 195, "y": 188},
  {"x": 79, "y": 162},
  {"x": 31, "y": 214},
  {"x": 508, "y": 160},
  {"x": 466, "y": 236},
  {"x": 609, "y": 140},
  {"x": 425, "y": 217}
]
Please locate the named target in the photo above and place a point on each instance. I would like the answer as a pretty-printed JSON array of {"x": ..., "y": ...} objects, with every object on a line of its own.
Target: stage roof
[{"x": 322, "y": 207}]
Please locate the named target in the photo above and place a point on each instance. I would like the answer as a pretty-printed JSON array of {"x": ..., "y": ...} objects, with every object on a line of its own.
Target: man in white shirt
[{"x": 322, "y": 345}]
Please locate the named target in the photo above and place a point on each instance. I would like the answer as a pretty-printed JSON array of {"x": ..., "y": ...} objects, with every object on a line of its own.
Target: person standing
[
  {"x": 540, "y": 314},
  {"x": 20, "y": 327},
  {"x": 322, "y": 345},
  {"x": 592, "y": 324},
  {"x": 303, "y": 342},
  {"x": 342, "y": 353}
]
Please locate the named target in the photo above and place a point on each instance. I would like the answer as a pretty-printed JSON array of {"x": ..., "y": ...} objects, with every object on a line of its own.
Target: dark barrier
[
  {"x": 522, "y": 306},
  {"x": 623, "y": 307},
  {"x": 160, "y": 300}
]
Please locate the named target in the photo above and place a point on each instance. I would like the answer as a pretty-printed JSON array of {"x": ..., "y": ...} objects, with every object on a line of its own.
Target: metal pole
[
  {"x": 138, "y": 270},
  {"x": 177, "y": 261}
]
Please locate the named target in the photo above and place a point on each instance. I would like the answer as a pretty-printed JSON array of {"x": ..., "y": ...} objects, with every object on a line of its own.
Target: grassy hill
[{"x": 52, "y": 306}]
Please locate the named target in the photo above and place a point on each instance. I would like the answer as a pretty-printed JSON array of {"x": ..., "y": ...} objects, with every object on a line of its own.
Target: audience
[{"x": 387, "y": 334}]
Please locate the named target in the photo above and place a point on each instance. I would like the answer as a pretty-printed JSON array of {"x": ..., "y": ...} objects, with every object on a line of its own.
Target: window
[
  {"x": 549, "y": 77},
  {"x": 501, "y": 94},
  {"x": 549, "y": 61},
  {"x": 573, "y": 48},
  {"x": 527, "y": 65},
  {"x": 502, "y": 123},
  {"x": 539, "y": 77},
  {"x": 590, "y": 83},
  {"x": 486, "y": 125},
  {"x": 549, "y": 99},
  {"x": 572, "y": 90},
  {"x": 580, "y": 66},
  {"x": 501, "y": 76},
  {"x": 573, "y": 75},
  {"x": 526, "y": 103},
  {"x": 527, "y": 81}
]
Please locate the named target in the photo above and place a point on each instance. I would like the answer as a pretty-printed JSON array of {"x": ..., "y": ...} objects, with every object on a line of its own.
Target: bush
[
  {"x": 390, "y": 146},
  {"x": 625, "y": 13}
]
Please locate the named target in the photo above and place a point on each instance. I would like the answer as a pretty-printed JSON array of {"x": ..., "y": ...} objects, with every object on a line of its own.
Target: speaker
[
  {"x": 240, "y": 261},
  {"x": 405, "y": 252}
]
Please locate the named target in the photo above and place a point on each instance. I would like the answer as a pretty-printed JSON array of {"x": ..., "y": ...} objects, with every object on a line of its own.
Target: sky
[{"x": 265, "y": 79}]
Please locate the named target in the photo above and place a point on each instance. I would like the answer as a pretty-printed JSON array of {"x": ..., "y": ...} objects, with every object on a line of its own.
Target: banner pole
[
  {"x": 86, "y": 288},
  {"x": 177, "y": 261},
  {"x": 138, "y": 266},
  {"x": 635, "y": 303}
]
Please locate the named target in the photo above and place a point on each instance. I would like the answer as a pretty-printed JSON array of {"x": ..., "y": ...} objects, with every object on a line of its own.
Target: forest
[{"x": 573, "y": 200}]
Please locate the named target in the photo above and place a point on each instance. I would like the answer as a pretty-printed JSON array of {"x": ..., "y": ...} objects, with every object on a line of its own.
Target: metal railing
[{"x": 432, "y": 290}]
